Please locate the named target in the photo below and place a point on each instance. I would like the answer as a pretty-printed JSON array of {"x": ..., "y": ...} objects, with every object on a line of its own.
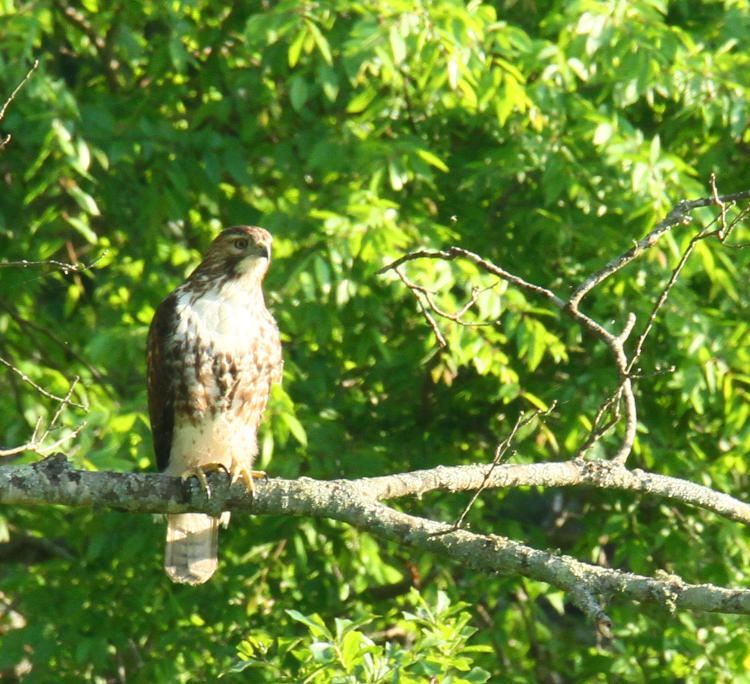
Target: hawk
[{"x": 213, "y": 352}]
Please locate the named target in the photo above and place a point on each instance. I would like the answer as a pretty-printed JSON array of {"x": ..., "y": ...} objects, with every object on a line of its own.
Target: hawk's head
[{"x": 240, "y": 252}]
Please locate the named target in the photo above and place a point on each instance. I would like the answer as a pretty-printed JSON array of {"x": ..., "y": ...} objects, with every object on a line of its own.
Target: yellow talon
[
  {"x": 248, "y": 477},
  {"x": 200, "y": 474}
]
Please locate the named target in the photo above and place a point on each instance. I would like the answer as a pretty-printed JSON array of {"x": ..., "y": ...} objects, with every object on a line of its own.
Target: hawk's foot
[
  {"x": 199, "y": 473},
  {"x": 247, "y": 476}
]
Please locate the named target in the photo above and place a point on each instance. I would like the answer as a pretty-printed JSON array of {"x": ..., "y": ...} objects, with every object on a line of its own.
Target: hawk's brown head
[{"x": 237, "y": 252}]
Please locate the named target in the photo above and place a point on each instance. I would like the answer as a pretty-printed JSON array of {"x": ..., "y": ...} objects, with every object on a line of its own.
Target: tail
[{"x": 190, "y": 553}]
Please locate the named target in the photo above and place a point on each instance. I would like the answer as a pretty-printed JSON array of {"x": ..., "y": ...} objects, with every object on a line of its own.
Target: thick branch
[
  {"x": 54, "y": 481},
  {"x": 353, "y": 501},
  {"x": 600, "y": 474}
]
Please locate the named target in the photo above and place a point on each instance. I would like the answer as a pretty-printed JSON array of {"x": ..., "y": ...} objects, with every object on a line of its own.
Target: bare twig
[
  {"x": 723, "y": 235},
  {"x": 454, "y": 252},
  {"x": 63, "y": 266},
  {"x": 456, "y": 317},
  {"x": 18, "y": 88},
  {"x": 41, "y": 390},
  {"x": 624, "y": 394},
  {"x": 36, "y": 443},
  {"x": 428, "y": 306},
  {"x": 598, "y": 430},
  {"x": 663, "y": 296},
  {"x": 31, "y": 325},
  {"x": 500, "y": 457},
  {"x": 12, "y": 97},
  {"x": 721, "y": 204},
  {"x": 104, "y": 45},
  {"x": 680, "y": 215},
  {"x": 78, "y": 19},
  {"x": 425, "y": 311},
  {"x": 584, "y": 600}
]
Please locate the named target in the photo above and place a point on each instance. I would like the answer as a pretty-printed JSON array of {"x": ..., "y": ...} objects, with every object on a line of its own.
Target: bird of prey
[{"x": 213, "y": 352}]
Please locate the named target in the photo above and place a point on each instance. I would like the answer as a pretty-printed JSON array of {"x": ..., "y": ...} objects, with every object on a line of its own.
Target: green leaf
[
  {"x": 83, "y": 199},
  {"x": 432, "y": 159},
  {"x": 295, "y": 49},
  {"x": 654, "y": 150},
  {"x": 295, "y": 427},
  {"x": 350, "y": 649},
  {"x": 603, "y": 133},
  {"x": 329, "y": 82},
  {"x": 314, "y": 623},
  {"x": 398, "y": 45},
  {"x": 361, "y": 101},
  {"x": 83, "y": 229},
  {"x": 323, "y": 652},
  {"x": 321, "y": 42},
  {"x": 477, "y": 675},
  {"x": 298, "y": 92}
]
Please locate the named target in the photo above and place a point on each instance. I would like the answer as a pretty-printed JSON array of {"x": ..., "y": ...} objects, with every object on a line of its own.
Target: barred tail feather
[{"x": 190, "y": 555}]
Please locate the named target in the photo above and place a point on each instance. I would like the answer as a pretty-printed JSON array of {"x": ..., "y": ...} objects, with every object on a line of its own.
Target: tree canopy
[{"x": 544, "y": 138}]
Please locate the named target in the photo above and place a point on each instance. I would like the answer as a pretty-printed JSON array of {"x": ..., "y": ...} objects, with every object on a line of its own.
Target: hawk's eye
[{"x": 241, "y": 243}]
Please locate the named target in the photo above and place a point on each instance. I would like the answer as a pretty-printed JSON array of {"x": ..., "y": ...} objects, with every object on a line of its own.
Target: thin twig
[
  {"x": 36, "y": 442},
  {"x": 23, "y": 323},
  {"x": 680, "y": 215},
  {"x": 453, "y": 253},
  {"x": 721, "y": 204},
  {"x": 425, "y": 312},
  {"x": 721, "y": 233},
  {"x": 63, "y": 266},
  {"x": 499, "y": 458},
  {"x": 584, "y": 600},
  {"x": 722, "y": 236},
  {"x": 12, "y": 97},
  {"x": 663, "y": 296},
  {"x": 597, "y": 431},
  {"x": 18, "y": 88},
  {"x": 425, "y": 301},
  {"x": 39, "y": 389}
]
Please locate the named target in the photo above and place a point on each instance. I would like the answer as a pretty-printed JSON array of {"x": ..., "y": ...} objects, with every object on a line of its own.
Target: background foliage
[{"x": 546, "y": 136}]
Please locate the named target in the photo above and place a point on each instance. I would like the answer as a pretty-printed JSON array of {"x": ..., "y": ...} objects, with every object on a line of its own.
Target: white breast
[{"x": 221, "y": 318}]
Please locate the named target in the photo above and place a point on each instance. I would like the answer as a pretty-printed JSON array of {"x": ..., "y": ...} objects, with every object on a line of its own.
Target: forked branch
[
  {"x": 359, "y": 503},
  {"x": 624, "y": 395}
]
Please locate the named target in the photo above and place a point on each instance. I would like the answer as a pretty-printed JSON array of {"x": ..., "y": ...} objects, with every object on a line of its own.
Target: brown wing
[{"x": 161, "y": 388}]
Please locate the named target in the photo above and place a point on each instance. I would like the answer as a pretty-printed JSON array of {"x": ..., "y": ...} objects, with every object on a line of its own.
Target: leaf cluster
[{"x": 430, "y": 643}]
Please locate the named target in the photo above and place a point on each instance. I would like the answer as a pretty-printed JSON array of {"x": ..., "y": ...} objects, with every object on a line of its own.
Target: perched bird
[{"x": 213, "y": 352}]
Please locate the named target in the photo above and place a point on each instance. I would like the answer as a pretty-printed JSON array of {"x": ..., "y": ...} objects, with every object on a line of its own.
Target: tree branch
[
  {"x": 358, "y": 503},
  {"x": 12, "y": 97},
  {"x": 680, "y": 214}
]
